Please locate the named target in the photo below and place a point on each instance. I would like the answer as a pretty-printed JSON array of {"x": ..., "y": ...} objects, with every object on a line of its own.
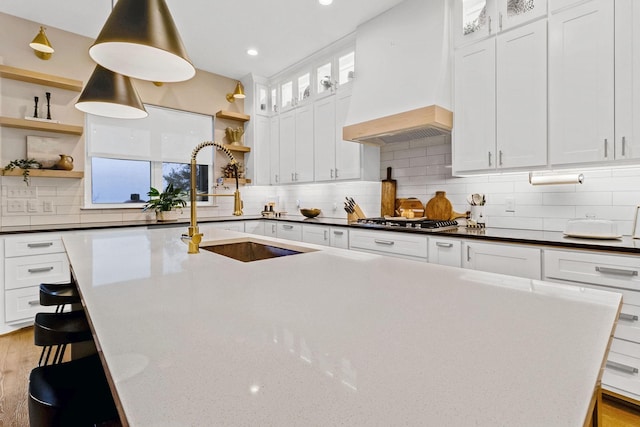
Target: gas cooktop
[{"x": 402, "y": 222}]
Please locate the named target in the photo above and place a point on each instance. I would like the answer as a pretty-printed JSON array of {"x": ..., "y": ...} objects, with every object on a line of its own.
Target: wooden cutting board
[
  {"x": 411, "y": 203},
  {"x": 387, "y": 205},
  {"x": 440, "y": 208}
]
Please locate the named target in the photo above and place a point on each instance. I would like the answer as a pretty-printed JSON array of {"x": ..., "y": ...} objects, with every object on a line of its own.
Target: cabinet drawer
[
  {"x": 33, "y": 244},
  {"x": 28, "y": 271},
  {"x": 23, "y": 304},
  {"x": 597, "y": 269},
  {"x": 389, "y": 243},
  {"x": 445, "y": 252},
  {"x": 289, "y": 232},
  {"x": 316, "y": 234},
  {"x": 622, "y": 370},
  {"x": 339, "y": 238}
]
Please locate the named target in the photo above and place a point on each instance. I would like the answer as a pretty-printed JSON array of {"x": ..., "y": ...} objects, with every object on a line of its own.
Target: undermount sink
[{"x": 248, "y": 251}]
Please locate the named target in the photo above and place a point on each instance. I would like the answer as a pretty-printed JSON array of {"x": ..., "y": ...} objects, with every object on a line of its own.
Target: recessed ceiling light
[
  {"x": 325, "y": 2},
  {"x": 252, "y": 52}
]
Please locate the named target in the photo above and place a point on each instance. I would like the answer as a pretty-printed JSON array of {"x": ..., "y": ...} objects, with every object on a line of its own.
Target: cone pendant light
[
  {"x": 111, "y": 94},
  {"x": 141, "y": 40}
]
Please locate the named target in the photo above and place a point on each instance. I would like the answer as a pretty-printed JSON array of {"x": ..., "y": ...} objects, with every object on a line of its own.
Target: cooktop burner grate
[{"x": 424, "y": 223}]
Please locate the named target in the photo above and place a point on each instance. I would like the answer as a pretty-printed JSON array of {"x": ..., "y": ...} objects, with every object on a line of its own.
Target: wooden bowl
[{"x": 310, "y": 213}]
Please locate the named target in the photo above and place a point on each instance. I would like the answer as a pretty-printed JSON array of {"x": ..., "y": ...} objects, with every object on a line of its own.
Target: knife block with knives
[{"x": 353, "y": 210}]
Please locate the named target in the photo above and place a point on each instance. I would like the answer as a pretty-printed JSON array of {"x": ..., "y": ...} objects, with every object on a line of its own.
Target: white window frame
[{"x": 206, "y": 156}]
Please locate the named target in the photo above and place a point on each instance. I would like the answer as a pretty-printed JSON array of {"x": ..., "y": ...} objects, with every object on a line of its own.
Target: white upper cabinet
[
  {"x": 627, "y": 79},
  {"x": 262, "y": 100},
  {"x": 274, "y": 150},
  {"x": 303, "y": 171},
  {"x": 522, "y": 97},
  {"x": 324, "y": 130},
  {"x": 350, "y": 163},
  {"x": 478, "y": 19},
  {"x": 474, "y": 137},
  {"x": 581, "y": 83},
  {"x": 287, "y": 153},
  {"x": 261, "y": 153}
]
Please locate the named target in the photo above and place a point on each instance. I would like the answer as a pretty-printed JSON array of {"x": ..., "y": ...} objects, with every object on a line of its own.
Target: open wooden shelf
[
  {"x": 45, "y": 173},
  {"x": 241, "y": 148},
  {"x": 241, "y": 181},
  {"x": 40, "y": 78},
  {"x": 37, "y": 125},
  {"x": 230, "y": 115}
]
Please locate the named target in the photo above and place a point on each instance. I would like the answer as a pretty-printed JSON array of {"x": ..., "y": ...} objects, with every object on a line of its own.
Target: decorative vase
[
  {"x": 234, "y": 135},
  {"x": 65, "y": 162},
  {"x": 165, "y": 216}
]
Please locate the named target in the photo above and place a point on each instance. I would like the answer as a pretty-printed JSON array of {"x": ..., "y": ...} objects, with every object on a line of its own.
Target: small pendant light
[
  {"x": 41, "y": 45},
  {"x": 140, "y": 40},
  {"x": 111, "y": 94}
]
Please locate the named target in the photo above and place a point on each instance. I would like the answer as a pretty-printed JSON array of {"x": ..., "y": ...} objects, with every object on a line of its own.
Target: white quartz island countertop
[{"x": 333, "y": 337}]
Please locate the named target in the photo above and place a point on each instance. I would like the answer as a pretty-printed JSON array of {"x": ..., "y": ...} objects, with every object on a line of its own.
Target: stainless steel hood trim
[{"x": 419, "y": 123}]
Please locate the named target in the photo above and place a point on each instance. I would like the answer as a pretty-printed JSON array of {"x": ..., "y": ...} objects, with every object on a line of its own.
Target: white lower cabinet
[
  {"x": 226, "y": 225},
  {"x": 316, "y": 234},
  {"x": 289, "y": 231},
  {"x": 29, "y": 260},
  {"x": 400, "y": 245},
  {"x": 614, "y": 273},
  {"x": 445, "y": 251},
  {"x": 254, "y": 227},
  {"x": 270, "y": 228},
  {"x": 339, "y": 237},
  {"x": 514, "y": 260}
]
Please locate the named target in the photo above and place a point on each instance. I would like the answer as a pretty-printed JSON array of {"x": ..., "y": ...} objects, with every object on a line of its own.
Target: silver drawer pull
[
  {"x": 39, "y": 245},
  {"x": 338, "y": 233},
  {"x": 629, "y": 317},
  {"x": 622, "y": 368},
  {"x": 444, "y": 245},
  {"x": 619, "y": 271},
  {"x": 384, "y": 242},
  {"x": 287, "y": 227},
  {"x": 34, "y": 303},
  {"x": 39, "y": 269}
]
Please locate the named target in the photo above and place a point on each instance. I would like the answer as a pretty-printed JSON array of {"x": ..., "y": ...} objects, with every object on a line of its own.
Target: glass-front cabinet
[
  {"x": 478, "y": 19},
  {"x": 262, "y": 99}
]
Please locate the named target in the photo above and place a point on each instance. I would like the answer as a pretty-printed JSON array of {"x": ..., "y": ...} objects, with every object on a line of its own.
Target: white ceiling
[{"x": 217, "y": 34}]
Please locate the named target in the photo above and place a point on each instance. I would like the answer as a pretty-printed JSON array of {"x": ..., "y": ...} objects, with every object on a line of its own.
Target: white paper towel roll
[{"x": 577, "y": 178}]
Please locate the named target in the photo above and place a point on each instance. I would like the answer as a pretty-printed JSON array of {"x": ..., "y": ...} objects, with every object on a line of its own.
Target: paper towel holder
[{"x": 572, "y": 178}]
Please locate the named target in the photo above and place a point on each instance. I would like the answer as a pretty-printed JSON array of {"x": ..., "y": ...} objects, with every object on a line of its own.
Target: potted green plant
[
  {"x": 25, "y": 165},
  {"x": 164, "y": 203}
]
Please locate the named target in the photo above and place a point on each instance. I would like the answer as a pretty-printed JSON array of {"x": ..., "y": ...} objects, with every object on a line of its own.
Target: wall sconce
[
  {"x": 237, "y": 93},
  {"x": 110, "y": 94},
  {"x": 41, "y": 45},
  {"x": 140, "y": 40},
  {"x": 575, "y": 178}
]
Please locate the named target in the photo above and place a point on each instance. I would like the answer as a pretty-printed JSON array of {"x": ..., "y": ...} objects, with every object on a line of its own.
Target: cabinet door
[
  {"x": 581, "y": 83},
  {"x": 473, "y": 20},
  {"x": 505, "y": 259},
  {"x": 316, "y": 234},
  {"x": 522, "y": 96},
  {"x": 287, "y": 147},
  {"x": 475, "y": 107},
  {"x": 271, "y": 228},
  {"x": 254, "y": 227},
  {"x": 260, "y": 155},
  {"x": 339, "y": 238},
  {"x": 304, "y": 144},
  {"x": 324, "y": 133},
  {"x": 348, "y": 153},
  {"x": 512, "y": 13},
  {"x": 627, "y": 77},
  {"x": 289, "y": 231},
  {"x": 274, "y": 150},
  {"x": 445, "y": 252}
]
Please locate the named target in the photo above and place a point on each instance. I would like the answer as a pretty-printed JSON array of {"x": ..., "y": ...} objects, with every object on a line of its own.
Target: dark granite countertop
[{"x": 626, "y": 244}]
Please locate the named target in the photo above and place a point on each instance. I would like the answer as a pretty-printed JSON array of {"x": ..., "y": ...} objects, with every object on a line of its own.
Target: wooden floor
[{"x": 18, "y": 356}]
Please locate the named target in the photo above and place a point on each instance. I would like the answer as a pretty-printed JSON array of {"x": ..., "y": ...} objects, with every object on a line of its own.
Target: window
[
  {"x": 274, "y": 100},
  {"x": 126, "y": 157},
  {"x": 304, "y": 86},
  {"x": 346, "y": 67},
  {"x": 324, "y": 78},
  {"x": 286, "y": 92}
]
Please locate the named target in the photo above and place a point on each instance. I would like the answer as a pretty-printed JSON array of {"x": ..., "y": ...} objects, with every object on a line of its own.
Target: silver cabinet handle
[
  {"x": 338, "y": 233},
  {"x": 39, "y": 245},
  {"x": 468, "y": 253},
  {"x": 40, "y": 269},
  {"x": 629, "y": 317},
  {"x": 287, "y": 227},
  {"x": 296, "y": 176},
  {"x": 621, "y": 367},
  {"x": 326, "y": 234},
  {"x": 273, "y": 228},
  {"x": 384, "y": 242},
  {"x": 444, "y": 245},
  {"x": 336, "y": 172},
  {"x": 500, "y": 21},
  {"x": 292, "y": 178},
  {"x": 624, "y": 145},
  {"x": 489, "y": 158},
  {"x": 500, "y": 157},
  {"x": 489, "y": 25},
  {"x": 618, "y": 271},
  {"x": 34, "y": 303},
  {"x": 606, "y": 148},
  {"x": 276, "y": 177},
  {"x": 331, "y": 173}
]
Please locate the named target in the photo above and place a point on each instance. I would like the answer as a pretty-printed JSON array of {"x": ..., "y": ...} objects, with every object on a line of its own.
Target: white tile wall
[{"x": 421, "y": 168}]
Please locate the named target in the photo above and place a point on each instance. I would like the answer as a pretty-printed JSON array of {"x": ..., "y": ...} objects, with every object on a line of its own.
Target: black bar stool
[
  {"x": 59, "y": 294},
  {"x": 57, "y": 330},
  {"x": 73, "y": 393}
]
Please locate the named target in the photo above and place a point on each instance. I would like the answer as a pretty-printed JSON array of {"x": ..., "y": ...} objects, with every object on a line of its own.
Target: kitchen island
[{"x": 333, "y": 337}]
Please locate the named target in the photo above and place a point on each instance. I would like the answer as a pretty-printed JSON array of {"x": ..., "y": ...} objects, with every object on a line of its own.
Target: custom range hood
[{"x": 402, "y": 87}]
